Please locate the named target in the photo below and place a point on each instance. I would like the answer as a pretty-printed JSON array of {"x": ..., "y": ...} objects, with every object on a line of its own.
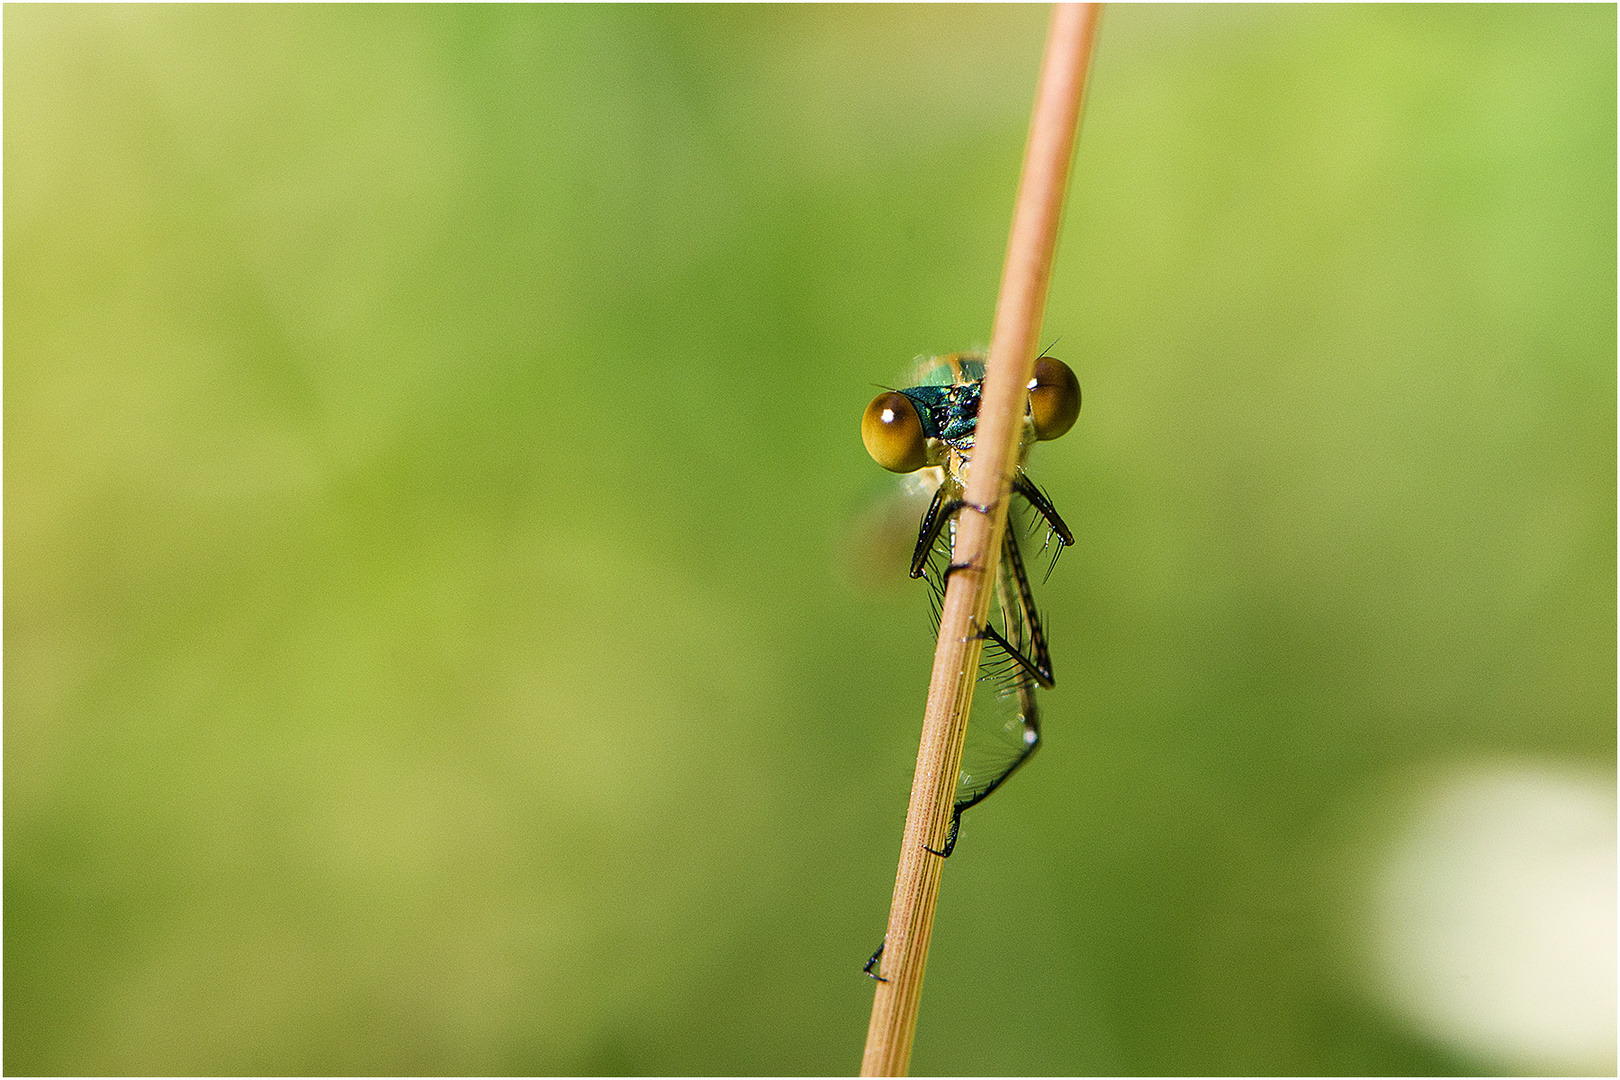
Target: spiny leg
[
  {"x": 1043, "y": 506},
  {"x": 1018, "y": 600},
  {"x": 952, "y": 507},
  {"x": 933, "y": 542},
  {"x": 944, "y": 504},
  {"x": 1047, "y": 513},
  {"x": 942, "y": 509}
]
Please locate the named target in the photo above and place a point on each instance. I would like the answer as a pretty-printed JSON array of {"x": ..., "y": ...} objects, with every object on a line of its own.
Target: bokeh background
[{"x": 444, "y": 630}]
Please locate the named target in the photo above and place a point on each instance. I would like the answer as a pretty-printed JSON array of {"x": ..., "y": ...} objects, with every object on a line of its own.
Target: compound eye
[
  {"x": 893, "y": 433},
  {"x": 1054, "y": 398}
]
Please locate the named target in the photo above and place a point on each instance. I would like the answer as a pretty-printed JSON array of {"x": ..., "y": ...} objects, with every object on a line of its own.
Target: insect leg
[
  {"x": 950, "y": 834},
  {"x": 1043, "y": 506},
  {"x": 1032, "y": 742},
  {"x": 946, "y": 502},
  {"x": 1020, "y": 617},
  {"x": 870, "y": 964}
]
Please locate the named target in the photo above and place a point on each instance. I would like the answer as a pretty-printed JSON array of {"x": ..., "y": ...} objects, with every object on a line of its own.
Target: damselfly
[{"x": 927, "y": 431}]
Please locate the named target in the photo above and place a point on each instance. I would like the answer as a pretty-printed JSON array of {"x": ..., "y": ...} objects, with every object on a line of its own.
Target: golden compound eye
[
  {"x": 893, "y": 433},
  {"x": 1054, "y": 398}
]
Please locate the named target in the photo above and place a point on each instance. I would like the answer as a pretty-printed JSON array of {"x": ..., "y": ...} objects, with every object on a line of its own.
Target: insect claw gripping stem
[
  {"x": 870, "y": 964},
  {"x": 950, "y": 835}
]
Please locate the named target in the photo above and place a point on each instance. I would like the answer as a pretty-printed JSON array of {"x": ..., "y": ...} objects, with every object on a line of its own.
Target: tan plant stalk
[{"x": 1013, "y": 344}]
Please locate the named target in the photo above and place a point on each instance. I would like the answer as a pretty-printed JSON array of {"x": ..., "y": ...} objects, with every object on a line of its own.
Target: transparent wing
[
  {"x": 876, "y": 541},
  {"x": 1004, "y": 728}
]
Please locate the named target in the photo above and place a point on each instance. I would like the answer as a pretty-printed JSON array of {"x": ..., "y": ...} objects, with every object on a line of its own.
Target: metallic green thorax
[{"x": 949, "y": 407}]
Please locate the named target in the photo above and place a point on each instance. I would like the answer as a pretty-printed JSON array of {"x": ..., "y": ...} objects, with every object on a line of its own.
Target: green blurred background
[{"x": 435, "y": 635}]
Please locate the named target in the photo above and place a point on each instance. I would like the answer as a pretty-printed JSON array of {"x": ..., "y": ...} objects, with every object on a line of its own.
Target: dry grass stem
[{"x": 1013, "y": 345}]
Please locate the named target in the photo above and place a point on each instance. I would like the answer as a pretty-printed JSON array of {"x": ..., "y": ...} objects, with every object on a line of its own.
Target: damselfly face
[
  {"x": 927, "y": 430},
  {"x": 933, "y": 423}
]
